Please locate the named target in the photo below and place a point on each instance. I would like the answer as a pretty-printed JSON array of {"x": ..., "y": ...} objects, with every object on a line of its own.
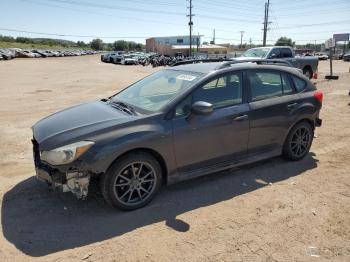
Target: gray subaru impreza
[{"x": 179, "y": 123}]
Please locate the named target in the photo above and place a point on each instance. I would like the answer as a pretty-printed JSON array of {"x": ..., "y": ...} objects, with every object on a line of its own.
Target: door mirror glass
[{"x": 202, "y": 108}]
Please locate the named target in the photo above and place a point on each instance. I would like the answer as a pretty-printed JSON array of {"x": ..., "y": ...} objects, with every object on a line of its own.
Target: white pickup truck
[{"x": 308, "y": 64}]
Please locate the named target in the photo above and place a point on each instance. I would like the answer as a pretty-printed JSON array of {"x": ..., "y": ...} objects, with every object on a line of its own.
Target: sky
[{"x": 305, "y": 21}]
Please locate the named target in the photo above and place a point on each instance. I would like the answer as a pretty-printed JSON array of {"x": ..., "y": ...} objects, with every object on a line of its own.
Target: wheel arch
[
  {"x": 151, "y": 152},
  {"x": 307, "y": 120},
  {"x": 308, "y": 67}
]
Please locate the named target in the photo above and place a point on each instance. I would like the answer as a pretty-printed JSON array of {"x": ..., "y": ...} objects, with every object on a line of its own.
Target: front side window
[
  {"x": 265, "y": 85},
  {"x": 220, "y": 92},
  {"x": 152, "y": 93}
]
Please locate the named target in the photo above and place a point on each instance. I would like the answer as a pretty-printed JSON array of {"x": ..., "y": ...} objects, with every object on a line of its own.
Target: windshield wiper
[{"x": 123, "y": 107}]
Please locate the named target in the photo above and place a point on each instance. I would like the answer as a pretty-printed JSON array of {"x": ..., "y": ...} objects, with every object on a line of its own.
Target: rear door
[
  {"x": 201, "y": 141},
  {"x": 273, "y": 103}
]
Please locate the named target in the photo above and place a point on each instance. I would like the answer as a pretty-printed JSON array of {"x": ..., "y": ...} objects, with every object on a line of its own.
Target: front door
[{"x": 201, "y": 141}]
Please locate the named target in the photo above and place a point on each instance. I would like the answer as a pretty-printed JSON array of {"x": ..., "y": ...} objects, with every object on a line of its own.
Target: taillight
[
  {"x": 319, "y": 96},
  {"x": 315, "y": 76}
]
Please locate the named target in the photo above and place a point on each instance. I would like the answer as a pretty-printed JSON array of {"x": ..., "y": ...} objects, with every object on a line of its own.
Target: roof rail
[
  {"x": 196, "y": 61},
  {"x": 257, "y": 61}
]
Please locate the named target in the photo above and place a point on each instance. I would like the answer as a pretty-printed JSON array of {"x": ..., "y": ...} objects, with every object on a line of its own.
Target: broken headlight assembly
[{"x": 65, "y": 154}]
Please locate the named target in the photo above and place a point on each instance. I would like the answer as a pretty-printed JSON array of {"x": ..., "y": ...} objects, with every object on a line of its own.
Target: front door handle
[
  {"x": 292, "y": 105},
  {"x": 240, "y": 118}
]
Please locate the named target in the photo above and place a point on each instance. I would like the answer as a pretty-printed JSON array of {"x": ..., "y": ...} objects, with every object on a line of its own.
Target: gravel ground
[{"x": 274, "y": 210}]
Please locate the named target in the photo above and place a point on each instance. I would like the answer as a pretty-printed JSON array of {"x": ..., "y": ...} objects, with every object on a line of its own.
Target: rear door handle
[
  {"x": 240, "y": 118},
  {"x": 292, "y": 105}
]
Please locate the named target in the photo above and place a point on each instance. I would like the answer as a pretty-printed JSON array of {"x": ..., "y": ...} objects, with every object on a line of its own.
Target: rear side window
[
  {"x": 275, "y": 52},
  {"x": 299, "y": 84},
  {"x": 286, "y": 52},
  {"x": 264, "y": 85}
]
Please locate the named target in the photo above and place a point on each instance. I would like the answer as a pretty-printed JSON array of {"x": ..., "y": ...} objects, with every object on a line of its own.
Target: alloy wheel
[
  {"x": 300, "y": 141},
  {"x": 135, "y": 183}
]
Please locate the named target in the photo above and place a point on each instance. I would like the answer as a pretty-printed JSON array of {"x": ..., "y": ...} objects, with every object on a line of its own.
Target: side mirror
[
  {"x": 202, "y": 108},
  {"x": 272, "y": 56}
]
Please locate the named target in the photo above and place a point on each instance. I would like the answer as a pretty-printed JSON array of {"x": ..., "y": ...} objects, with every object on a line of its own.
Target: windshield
[
  {"x": 157, "y": 90},
  {"x": 256, "y": 52}
]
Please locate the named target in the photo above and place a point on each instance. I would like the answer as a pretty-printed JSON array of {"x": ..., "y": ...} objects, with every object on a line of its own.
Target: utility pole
[
  {"x": 266, "y": 21},
  {"x": 190, "y": 23},
  {"x": 242, "y": 32},
  {"x": 213, "y": 41},
  {"x": 198, "y": 43}
]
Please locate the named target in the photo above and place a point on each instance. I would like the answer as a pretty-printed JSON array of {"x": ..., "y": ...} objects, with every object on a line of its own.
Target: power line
[{"x": 69, "y": 35}]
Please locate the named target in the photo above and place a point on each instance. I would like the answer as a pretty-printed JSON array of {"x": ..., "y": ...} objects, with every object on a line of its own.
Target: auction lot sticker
[{"x": 186, "y": 77}]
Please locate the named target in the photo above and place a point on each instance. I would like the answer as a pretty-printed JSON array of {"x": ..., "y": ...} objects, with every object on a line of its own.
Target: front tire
[
  {"x": 132, "y": 181},
  {"x": 298, "y": 141}
]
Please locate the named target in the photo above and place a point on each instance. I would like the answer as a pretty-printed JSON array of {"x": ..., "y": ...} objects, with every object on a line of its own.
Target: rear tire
[
  {"x": 132, "y": 181},
  {"x": 298, "y": 141}
]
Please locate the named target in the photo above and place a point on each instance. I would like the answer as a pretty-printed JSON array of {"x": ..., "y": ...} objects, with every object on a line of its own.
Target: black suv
[{"x": 179, "y": 123}]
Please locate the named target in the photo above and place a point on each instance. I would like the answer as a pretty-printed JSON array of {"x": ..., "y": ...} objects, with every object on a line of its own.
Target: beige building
[{"x": 179, "y": 45}]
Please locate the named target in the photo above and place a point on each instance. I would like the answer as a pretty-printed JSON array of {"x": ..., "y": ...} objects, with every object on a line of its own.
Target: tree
[
  {"x": 285, "y": 41},
  {"x": 120, "y": 45},
  {"x": 81, "y": 44},
  {"x": 96, "y": 44}
]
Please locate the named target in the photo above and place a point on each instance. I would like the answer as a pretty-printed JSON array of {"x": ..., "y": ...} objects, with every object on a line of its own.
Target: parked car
[
  {"x": 117, "y": 57},
  {"x": 322, "y": 56},
  {"x": 309, "y": 65},
  {"x": 128, "y": 60},
  {"x": 179, "y": 123},
  {"x": 7, "y": 54},
  {"x": 109, "y": 57},
  {"x": 346, "y": 56},
  {"x": 24, "y": 54}
]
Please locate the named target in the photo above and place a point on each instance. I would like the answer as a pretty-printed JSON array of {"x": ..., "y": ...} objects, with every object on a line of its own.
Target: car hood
[{"x": 76, "y": 123}]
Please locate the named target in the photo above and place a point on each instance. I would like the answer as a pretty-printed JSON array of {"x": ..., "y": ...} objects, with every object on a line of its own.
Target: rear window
[{"x": 299, "y": 84}]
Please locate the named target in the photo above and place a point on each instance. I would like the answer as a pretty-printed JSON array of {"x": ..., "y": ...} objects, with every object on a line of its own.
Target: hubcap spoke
[
  {"x": 143, "y": 189},
  {"x": 139, "y": 170},
  {"x": 126, "y": 192},
  {"x": 133, "y": 169},
  {"x": 139, "y": 193},
  {"x": 122, "y": 184},
  {"x": 124, "y": 177},
  {"x": 131, "y": 193}
]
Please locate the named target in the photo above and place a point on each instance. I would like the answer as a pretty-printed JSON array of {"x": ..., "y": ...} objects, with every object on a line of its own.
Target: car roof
[{"x": 206, "y": 68}]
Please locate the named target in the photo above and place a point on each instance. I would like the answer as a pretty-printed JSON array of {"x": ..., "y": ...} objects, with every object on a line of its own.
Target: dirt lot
[{"x": 271, "y": 211}]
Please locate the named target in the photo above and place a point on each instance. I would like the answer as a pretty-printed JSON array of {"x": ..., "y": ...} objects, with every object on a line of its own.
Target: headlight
[{"x": 65, "y": 154}]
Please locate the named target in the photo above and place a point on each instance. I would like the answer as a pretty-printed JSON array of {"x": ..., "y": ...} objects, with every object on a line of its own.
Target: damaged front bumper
[{"x": 75, "y": 181}]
